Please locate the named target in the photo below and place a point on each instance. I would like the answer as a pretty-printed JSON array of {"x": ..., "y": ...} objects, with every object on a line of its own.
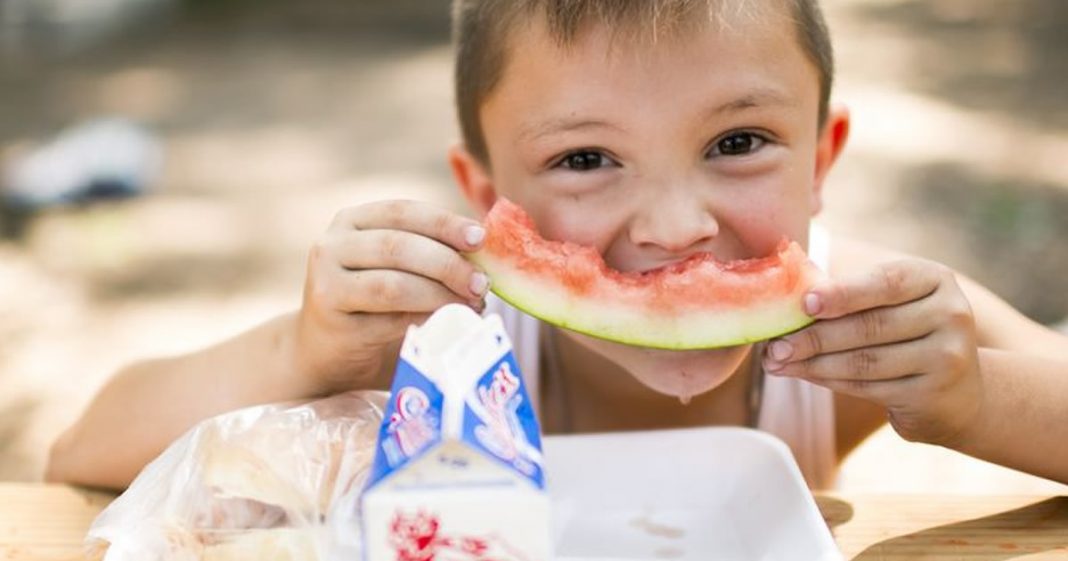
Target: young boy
[{"x": 651, "y": 130}]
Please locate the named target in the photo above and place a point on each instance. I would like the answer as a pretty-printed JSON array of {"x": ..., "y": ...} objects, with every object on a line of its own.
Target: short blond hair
[{"x": 481, "y": 28}]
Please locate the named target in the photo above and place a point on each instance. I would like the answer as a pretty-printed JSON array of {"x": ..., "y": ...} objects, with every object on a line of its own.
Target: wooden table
[{"x": 48, "y": 522}]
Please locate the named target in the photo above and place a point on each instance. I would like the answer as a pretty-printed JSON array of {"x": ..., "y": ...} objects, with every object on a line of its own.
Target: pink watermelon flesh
[{"x": 698, "y": 303}]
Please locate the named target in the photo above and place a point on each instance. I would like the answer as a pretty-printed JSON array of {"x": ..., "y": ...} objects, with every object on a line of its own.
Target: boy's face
[{"x": 707, "y": 141}]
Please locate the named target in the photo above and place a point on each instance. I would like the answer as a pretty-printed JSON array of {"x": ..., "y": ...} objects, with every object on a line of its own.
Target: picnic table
[{"x": 41, "y": 522}]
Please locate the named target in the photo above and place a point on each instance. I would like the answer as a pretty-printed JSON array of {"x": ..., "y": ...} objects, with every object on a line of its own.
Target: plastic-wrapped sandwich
[
  {"x": 458, "y": 467},
  {"x": 266, "y": 483}
]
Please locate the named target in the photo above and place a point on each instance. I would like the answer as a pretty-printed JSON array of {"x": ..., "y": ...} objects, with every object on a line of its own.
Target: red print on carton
[{"x": 418, "y": 538}]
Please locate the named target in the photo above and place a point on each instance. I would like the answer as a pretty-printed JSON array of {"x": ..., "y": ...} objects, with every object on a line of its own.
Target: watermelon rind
[{"x": 684, "y": 330}]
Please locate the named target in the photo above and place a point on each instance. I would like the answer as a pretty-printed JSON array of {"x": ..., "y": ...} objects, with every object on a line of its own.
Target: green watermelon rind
[{"x": 699, "y": 329}]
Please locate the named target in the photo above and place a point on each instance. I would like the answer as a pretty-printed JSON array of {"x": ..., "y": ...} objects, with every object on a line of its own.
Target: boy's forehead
[{"x": 740, "y": 60}]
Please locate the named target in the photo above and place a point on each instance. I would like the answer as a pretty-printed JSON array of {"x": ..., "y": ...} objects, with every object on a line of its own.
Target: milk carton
[{"x": 457, "y": 473}]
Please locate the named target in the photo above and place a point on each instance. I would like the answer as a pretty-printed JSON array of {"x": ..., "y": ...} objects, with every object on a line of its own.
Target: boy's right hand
[{"x": 379, "y": 268}]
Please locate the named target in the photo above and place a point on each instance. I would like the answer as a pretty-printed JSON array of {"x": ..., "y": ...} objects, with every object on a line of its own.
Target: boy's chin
[{"x": 682, "y": 374}]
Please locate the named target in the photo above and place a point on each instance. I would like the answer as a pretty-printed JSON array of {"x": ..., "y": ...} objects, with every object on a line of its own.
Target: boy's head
[
  {"x": 650, "y": 130},
  {"x": 482, "y": 30}
]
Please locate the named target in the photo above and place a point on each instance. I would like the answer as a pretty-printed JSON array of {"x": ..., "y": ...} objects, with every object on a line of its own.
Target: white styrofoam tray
[{"x": 694, "y": 494}]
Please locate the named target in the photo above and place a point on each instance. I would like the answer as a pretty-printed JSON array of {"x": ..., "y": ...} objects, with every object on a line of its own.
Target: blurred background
[{"x": 237, "y": 128}]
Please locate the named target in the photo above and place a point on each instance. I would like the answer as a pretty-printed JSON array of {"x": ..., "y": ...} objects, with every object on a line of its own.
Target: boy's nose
[{"x": 673, "y": 222}]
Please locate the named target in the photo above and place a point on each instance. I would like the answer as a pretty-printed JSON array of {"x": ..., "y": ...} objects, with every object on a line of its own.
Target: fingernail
[
  {"x": 478, "y": 285},
  {"x": 812, "y": 303},
  {"x": 474, "y": 235},
  {"x": 781, "y": 350}
]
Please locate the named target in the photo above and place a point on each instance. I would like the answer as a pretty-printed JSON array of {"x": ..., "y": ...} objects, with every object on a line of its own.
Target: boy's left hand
[{"x": 902, "y": 336}]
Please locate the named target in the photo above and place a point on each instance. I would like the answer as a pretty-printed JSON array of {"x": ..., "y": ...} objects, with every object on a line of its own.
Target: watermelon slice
[{"x": 698, "y": 303}]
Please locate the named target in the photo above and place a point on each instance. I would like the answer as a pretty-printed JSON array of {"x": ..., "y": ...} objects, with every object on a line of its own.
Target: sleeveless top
[{"x": 798, "y": 412}]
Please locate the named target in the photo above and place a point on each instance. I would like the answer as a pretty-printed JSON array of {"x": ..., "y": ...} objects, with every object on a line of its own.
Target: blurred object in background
[
  {"x": 97, "y": 160},
  {"x": 67, "y": 25}
]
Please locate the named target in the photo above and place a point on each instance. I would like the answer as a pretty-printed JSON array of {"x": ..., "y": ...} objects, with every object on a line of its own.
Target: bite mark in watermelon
[{"x": 699, "y": 303}]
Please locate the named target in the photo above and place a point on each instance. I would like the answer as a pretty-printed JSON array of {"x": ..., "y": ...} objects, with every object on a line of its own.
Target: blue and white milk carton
[{"x": 457, "y": 473}]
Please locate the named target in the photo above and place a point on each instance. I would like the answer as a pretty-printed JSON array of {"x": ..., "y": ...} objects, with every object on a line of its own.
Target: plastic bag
[{"x": 272, "y": 483}]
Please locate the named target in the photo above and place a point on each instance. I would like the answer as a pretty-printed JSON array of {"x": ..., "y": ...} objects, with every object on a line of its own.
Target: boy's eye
[
  {"x": 585, "y": 160},
  {"x": 738, "y": 144}
]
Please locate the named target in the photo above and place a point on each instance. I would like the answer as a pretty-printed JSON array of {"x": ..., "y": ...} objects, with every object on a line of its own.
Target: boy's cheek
[
  {"x": 765, "y": 211},
  {"x": 589, "y": 223}
]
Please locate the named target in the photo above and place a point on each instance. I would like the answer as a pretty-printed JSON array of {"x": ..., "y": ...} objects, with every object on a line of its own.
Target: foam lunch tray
[{"x": 693, "y": 494}]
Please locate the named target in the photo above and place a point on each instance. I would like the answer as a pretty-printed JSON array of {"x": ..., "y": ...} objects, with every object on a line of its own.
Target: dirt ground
[{"x": 274, "y": 115}]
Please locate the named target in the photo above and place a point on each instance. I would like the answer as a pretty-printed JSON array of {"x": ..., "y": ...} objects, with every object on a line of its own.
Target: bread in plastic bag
[{"x": 273, "y": 483}]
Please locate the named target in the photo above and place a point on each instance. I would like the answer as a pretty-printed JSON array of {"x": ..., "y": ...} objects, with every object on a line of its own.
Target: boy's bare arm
[
  {"x": 1023, "y": 421},
  {"x": 149, "y": 404}
]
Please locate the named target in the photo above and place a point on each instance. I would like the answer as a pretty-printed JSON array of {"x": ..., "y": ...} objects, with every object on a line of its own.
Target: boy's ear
[
  {"x": 831, "y": 142},
  {"x": 473, "y": 179}
]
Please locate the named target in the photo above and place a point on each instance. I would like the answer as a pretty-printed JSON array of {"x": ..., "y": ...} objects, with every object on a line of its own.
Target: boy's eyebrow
[
  {"x": 536, "y": 131},
  {"x": 756, "y": 98}
]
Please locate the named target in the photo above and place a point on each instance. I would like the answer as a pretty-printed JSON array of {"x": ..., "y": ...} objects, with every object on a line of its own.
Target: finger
[
  {"x": 886, "y": 392},
  {"x": 404, "y": 251},
  {"x": 875, "y": 326},
  {"x": 883, "y": 362},
  {"x": 889, "y": 284},
  {"x": 453, "y": 230},
  {"x": 384, "y": 290}
]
